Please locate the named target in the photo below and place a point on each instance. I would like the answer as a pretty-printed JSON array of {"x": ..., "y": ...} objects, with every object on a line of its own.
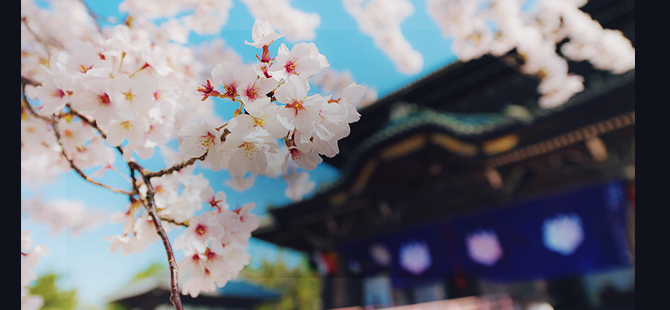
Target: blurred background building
[{"x": 460, "y": 186}]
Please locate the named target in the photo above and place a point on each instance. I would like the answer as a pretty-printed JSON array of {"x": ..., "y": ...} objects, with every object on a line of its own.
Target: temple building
[{"x": 459, "y": 185}]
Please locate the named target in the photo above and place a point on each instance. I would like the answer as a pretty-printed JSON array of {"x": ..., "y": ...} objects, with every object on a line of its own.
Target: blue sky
[{"x": 85, "y": 261}]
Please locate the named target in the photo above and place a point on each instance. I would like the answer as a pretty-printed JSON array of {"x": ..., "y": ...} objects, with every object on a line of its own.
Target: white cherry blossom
[
  {"x": 303, "y": 59},
  {"x": 299, "y": 185},
  {"x": 250, "y": 142},
  {"x": 200, "y": 232},
  {"x": 263, "y": 34}
]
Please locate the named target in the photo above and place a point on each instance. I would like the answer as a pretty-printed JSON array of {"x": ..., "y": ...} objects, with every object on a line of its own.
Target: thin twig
[
  {"x": 28, "y": 81},
  {"x": 151, "y": 208},
  {"x": 93, "y": 15},
  {"x": 172, "y": 221},
  {"x": 24, "y": 102},
  {"x": 46, "y": 45},
  {"x": 174, "y": 168},
  {"x": 91, "y": 123},
  {"x": 74, "y": 167}
]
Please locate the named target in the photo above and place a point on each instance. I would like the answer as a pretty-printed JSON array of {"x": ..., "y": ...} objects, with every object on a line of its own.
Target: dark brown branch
[{"x": 151, "y": 208}]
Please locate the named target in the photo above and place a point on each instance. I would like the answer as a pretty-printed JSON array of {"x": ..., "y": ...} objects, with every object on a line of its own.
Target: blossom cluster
[
  {"x": 209, "y": 17},
  {"x": 274, "y": 104},
  {"x": 499, "y": 26},
  {"x": 294, "y": 23},
  {"x": 132, "y": 90},
  {"x": 334, "y": 82},
  {"x": 381, "y": 19},
  {"x": 29, "y": 259},
  {"x": 214, "y": 246},
  {"x": 62, "y": 214}
]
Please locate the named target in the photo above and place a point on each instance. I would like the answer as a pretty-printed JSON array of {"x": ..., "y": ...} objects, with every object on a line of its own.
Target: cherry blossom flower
[
  {"x": 217, "y": 200},
  {"x": 198, "y": 139},
  {"x": 296, "y": 24},
  {"x": 265, "y": 115},
  {"x": 303, "y": 59},
  {"x": 55, "y": 93},
  {"x": 229, "y": 74},
  {"x": 304, "y": 160},
  {"x": 247, "y": 221},
  {"x": 127, "y": 244},
  {"x": 299, "y": 185},
  {"x": 241, "y": 184},
  {"x": 97, "y": 97},
  {"x": 263, "y": 34},
  {"x": 200, "y": 232},
  {"x": 250, "y": 143},
  {"x": 253, "y": 87},
  {"x": 132, "y": 130},
  {"x": 300, "y": 112},
  {"x": 137, "y": 92}
]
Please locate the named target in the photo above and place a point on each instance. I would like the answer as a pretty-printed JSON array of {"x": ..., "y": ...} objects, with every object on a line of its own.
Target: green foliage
[
  {"x": 154, "y": 270},
  {"x": 114, "y": 306},
  {"x": 300, "y": 286},
  {"x": 54, "y": 298}
]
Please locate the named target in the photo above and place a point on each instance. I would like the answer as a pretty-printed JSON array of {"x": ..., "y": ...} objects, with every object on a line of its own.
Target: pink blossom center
[
  {"x": 231, "y": 90},
  {"x": 296, "y": 154},
  {"x": 210, "y": 255},
  {"x": 84, "y": 69},
  {"x": 290, "y": 66},
  {"x": 200, "y": 230},
  {"x": 58, "y": 93},
  {"x": 207, "y": 140},
  {"x": 104, "y": 99},
  {"x": 253, "y": 92},
  {"x": 296, "y": 105}
]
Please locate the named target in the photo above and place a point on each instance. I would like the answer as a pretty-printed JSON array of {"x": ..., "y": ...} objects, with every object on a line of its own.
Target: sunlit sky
[{"x": 85, "y": 261}]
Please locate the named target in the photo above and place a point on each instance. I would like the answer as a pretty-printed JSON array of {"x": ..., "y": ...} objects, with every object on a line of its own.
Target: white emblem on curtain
[
  {"x": 484, "y": 247},
  {"x": 563, "y": 233},
  {"x": 415, "y": 257}
]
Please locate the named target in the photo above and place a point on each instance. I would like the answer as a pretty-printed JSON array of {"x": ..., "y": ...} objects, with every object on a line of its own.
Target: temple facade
[{"x": 460, "y": 185}]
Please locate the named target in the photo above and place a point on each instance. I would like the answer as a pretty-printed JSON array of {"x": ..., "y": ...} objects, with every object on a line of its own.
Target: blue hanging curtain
[{"x": 573, "y": 233}]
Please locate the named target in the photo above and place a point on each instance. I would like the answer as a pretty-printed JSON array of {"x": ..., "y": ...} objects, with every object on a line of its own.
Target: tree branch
[{"x": 151, "y": 208}]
